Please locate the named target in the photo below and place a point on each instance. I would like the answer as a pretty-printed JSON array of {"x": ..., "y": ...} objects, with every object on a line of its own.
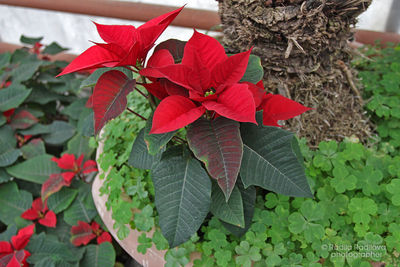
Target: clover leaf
[
  {"x": 159, "y": 240},
  {"x": 274, "y": 254},
  {"x": 247, "y": 254},
  {"x": 368, "y": 180},
  {"x": 176, "y": 258},
  {"x": 394, "y": 189},
  {"x": 144, "y": 243},
  {"x": 392, "y": 241},
  {"x": 205, "y": 261},
  {"x": 223, "y": 257},
  {"x": 361, "y": 209},
  {"x": 342, "y": 180},
  {"x": 144, "y": 220}
]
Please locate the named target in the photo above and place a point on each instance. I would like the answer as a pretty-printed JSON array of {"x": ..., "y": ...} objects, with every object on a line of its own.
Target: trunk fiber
[{"x": 303, "y": 47}]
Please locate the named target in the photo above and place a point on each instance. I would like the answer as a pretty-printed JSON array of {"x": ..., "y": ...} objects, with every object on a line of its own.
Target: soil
[{"x": 303, "y": 46}]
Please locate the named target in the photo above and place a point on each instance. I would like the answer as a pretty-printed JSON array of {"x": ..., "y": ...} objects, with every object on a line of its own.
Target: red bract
[
  {"x": 13, "y": 254},
  {"x": 125, "y": 45},
  {"x": 277, "y": 107},
  {"x": 83, "y": 233},
  {"x": 41, "y": 213},
  {"x": 67, "y": 162},
  {"x": 8, "y": 114},
  {"x": 211, "y": 79}
]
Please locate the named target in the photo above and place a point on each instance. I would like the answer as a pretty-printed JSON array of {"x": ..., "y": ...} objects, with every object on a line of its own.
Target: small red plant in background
[
  {"x": 40, "y": 212},
  {"x": 83, "y": 233},
  {"x": 13, "y": 254},
  {"x": 75, "y": 168}
]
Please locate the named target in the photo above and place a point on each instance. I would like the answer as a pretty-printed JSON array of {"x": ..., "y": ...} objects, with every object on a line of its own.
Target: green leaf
[
  {"x": 368, "y": 180},
  {"x": 342, "y": 180},
  {"x": 33, "y": 149},
  {"x": 47, "y": 246},
  {"x": 7, "y": 138},
  {"x": 53, "y": 49},
  {"x": 249, "y": 199},
  {"x": 4, "y": 176},
  {"x": 36, "y": 170},
  {"x": 155, "y": 142},
  {"x": 61, "y": 200},
  {"x": 394, "y": 189},
  {"x": 75, "y": 109},
  {"x": 7, "y": 234},
  {"x": 176, "y": 257},
  {"x": 140, "y": 157},
  {"x": 86, "y": 124},
  {"x": 217, "y": 143},
  {"x": 79, "y": 145},
  {"x": 269, "y": 161},
  {"x": 144, "y": 220},
  {"x": 36, "y": 129},
  {"x": 43, "y": 96},
  {"x": 81, "y": 209},
  {"x": 13, "y": 96},
  {"x": 247, "y": 254},
  {"x": 13, "y": 202},
  {"x": 254, "y": 71},
  {"x": 25, "y": 71},
  {"x": 2, "y": 120},
  {"x": 361, "y": 209},
  {"x": 102, "y": 255},
  {"x": 60, "y": 132},
  {"x": 30, "y": 40},
  {"x": 182, "y": 196},
  {"x": 231, "y": 211},
  {"x": 144, "y": 243},
  {"x": 4, "y": 59},
  {"x": 9, "y": 156}
]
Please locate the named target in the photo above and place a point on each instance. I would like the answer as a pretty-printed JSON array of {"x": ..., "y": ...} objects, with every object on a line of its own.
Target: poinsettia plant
[{"x": 214, "y": 133}]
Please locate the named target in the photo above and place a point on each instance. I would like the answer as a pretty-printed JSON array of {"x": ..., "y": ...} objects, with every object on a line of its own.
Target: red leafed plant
[
  {"x": 75, "y": 169},
  {"x": 232, "y": 136},
  {"x": 83, "y": 233},
  {"x": 13, "y": 254},
  {"x": 40, "y": 212}
]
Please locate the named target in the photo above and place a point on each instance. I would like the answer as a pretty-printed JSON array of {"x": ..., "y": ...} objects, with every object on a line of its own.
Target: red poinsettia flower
[
  {"x": 36, "y": 48},
  {"x": 40, "y": 212},
  {"x": 8, "y": 114},
  {"x": 275, "y": 107},
  {"x": 13, "y": 254},
  {"x": 83, "y": 233},
  {"x": 5, "y": 84},
  {"x": 211, "y": 79},
  {"x": 67, "y": 162},
  {"x": 125, "y": 45}
]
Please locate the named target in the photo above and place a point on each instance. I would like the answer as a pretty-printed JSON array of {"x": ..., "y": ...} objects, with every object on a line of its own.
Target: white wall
[{"x": 75, "y": 31}]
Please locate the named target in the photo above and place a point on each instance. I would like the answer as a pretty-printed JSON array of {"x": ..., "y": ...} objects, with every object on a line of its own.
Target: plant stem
[
  {"x": 140, "y": 116},
  {"x": 140, "y": 92},
  {"x": 180, "y": 139},
  {"x": 151, "y": 97},
  {"x": 131, "y": 69}
]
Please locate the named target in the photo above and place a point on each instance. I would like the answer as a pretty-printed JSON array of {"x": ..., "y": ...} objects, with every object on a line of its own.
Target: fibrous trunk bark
[{"x": 303, "y": 45}]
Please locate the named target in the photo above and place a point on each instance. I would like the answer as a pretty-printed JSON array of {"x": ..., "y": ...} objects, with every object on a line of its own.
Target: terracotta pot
[{"x": 153, "y": 257}]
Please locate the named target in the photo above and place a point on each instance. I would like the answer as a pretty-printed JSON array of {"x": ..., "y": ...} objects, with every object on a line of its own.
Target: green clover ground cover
[{"x": 351, "y": 221}]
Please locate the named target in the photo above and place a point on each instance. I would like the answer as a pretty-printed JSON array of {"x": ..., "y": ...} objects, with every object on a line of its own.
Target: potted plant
[{"x": 212, "y": 137}]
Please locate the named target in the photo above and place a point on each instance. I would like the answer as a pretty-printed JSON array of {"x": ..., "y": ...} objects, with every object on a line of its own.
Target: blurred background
[{"x": 75, "y": 31}]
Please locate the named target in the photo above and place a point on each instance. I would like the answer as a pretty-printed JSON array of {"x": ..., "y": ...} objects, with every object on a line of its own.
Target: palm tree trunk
[{"x": 304, "y": 50}]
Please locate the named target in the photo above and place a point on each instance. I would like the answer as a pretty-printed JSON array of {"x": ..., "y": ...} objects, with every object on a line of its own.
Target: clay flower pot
[{"x": 153, "y": 256}]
